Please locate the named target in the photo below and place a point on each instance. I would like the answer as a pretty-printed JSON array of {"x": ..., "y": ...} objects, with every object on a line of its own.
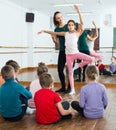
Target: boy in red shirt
[
  {"x": 102, "y": 69},
  {"x": 49, "y": 105}
]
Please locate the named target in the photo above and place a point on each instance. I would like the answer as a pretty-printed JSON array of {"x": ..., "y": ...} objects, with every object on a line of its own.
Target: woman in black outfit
[{"x": 60, "y": 40}]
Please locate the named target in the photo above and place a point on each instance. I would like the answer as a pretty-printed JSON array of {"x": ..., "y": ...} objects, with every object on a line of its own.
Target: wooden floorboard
[
  {"x": 108, "y": 122},
  {"x": 26, "y": 77}
]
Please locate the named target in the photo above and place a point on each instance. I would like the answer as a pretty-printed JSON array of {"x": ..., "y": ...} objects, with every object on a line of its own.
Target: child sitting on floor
[
  {"x": 93, "y": 96},
  {"x": 35, "y": 86},
  {"x": 102, "y": 69},
  {"x": 13, "y": 96},
  {"x": 113, "y": 65},
  {"x": 49, "y": 105}
]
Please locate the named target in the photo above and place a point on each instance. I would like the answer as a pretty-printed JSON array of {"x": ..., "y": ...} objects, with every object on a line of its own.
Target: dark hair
[
  {"x": 92, "y": 72},
  {"x": 72, "y": 21},
  {"x": 41, "y": 64},
  {"x": 14, "y": 64},
  {"x": 77, "y": 25},
  {"x": 42, "y": 67},
  {"x": 45, "y": 80},
  {"x": 89, "y": 31},
  {"x": 7, "y": 72},
  {"x": 56, "y": 23},
  {"x": 99, "y": 61}
]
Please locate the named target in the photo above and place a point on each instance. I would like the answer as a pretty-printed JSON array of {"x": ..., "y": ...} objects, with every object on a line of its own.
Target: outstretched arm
[
  {"x": 52, "y": 33},
  {"x": 81, "y": 26}
]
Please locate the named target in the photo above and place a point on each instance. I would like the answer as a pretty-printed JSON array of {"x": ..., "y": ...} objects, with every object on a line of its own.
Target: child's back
[
  {"x": 35, "y": 84},
  {"x": 13, "y": 96},
  {"x": 10, "y": 92},
  {"x": 48, "y": 103},
  {"x": 93, "y": 96},
  {"x": 46, "y": 110}
]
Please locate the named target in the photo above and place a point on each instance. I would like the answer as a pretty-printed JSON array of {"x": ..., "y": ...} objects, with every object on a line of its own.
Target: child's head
[
  {"x": 46, "y": 80},
  {"x": 14, "y": 64},
  {"x": 41, "y": 68},
  {"x": 71, "y": 25},
  {"x": 91, "y": 72},
  {"x": 89, "y": 32},
  {"x": 113, "y": 59},
  {"x": 99, "y": 62},
  {"x": 7, "y": 72},
  {"x": 77, "y": 26}
]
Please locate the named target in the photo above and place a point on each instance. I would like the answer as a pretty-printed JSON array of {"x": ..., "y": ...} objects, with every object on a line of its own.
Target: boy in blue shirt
[{"x": 12, "y": 106}]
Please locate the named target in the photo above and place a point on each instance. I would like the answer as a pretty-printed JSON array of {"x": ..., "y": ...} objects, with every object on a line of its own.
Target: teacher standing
[{"x": 60, "y": 26}]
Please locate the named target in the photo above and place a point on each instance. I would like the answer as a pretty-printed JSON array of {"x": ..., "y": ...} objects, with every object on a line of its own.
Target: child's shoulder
[{"x": 93, "y": 84}]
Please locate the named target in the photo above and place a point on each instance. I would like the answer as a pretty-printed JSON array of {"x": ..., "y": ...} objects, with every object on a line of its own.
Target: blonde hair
[{"x": 92, "y": 72}]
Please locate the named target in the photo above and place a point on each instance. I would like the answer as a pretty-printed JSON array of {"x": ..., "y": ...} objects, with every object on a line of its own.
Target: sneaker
[
  {"x": 60, "y": 90},
  {"x": 72, "y": 92},
  {"x": 30, "y": 110}
]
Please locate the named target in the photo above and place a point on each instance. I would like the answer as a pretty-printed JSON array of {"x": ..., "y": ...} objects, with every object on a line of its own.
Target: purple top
[
  {"x": 93, "y": 99},
  {"x": 112, "y": 68}
]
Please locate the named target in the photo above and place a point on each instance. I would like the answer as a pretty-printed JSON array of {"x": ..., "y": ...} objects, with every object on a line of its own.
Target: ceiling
[{"x": 95, "y": 7}]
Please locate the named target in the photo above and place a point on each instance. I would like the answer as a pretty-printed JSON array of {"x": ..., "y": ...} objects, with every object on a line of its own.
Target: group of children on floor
[
  {"x": 48, "y": 105},
  {"x": 103, "y": 70},
  {"x": 107, "y": 70}
]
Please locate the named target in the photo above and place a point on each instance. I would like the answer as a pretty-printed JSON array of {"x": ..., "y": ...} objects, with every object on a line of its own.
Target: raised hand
[
  {"x": 76, "y": 8},
  {"x": 93, "y": 23}
]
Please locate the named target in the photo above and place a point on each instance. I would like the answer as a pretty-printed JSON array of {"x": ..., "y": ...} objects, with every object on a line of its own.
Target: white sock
[
  {"x": 72, "y": 91},
  {"x": 30, "y": 110},
  {"x": 75, "y": 66}
]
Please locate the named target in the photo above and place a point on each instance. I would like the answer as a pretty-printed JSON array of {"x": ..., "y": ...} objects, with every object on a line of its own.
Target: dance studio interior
[{"x": 20, "y": 22}]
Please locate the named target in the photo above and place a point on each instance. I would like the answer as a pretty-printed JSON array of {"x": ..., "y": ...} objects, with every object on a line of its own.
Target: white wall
[
  {"x": 30, "y": 48},
  {"x": 12, "y": 32},
  {"x": 12, "y": 25},
  {"x": 47, "y": 53},
  {"x": 19, "y": 38}
]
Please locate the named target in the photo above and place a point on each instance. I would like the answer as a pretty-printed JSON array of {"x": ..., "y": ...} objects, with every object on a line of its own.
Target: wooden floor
[
  {"x": 108, "y": 122},
  {"x": 27, "y": 77}
]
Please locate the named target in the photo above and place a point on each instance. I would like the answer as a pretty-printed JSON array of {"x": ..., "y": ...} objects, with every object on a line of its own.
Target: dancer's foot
[
  {"x": 72, "y": 92},
  {"x": 78, "y": 80},
  {"x": 60, "y": 90},
  {"x": 75, "y": 66},
  {"x": 68, "y": 90}
]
